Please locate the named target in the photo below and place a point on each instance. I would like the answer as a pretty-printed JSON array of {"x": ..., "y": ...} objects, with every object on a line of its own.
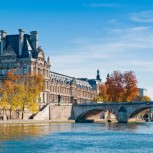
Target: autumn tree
[
  {"x": 19, "y": 92},
  {"x": 130, "y": 86},
  {"x": 30, "y": 87},
  {"x": 8, "y": 93},
  {"x": 102, "y": 96},
  {"x": 142, "y": 98},
  {"x": 115, "y": 87},
  {"x": 119, "y": 87}
]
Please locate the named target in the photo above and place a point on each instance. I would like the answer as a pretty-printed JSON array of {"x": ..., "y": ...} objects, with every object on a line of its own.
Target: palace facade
[{"x": 22, "y": 53}]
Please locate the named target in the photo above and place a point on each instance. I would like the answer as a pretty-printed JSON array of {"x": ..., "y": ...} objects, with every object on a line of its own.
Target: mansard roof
[
  {"x": 92, "y": 82},
  {"x": 23, "y": 45},
  {"x": 27, "y": 49}
]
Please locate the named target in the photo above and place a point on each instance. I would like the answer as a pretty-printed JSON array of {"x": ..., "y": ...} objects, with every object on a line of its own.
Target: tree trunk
[
  {"x": 4, "y": 114},
  {"x": 10, "y": 114},
  {"x": 22, "y": 113}
]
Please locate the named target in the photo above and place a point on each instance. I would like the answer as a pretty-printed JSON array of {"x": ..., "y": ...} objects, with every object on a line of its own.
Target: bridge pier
[
  {"x": 125, "y": 120},
  {"x": 122, "y": 115}
]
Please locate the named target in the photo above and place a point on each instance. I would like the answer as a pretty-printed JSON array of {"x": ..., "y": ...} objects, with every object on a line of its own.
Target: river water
[{"x": 71, "y": 138}]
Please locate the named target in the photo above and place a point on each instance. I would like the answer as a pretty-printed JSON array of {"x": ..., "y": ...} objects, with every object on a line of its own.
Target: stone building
[
  {"x": 68, "y": 89},
  {"x": 22, "y": 53},
  {"x": 142, "y": 92}
]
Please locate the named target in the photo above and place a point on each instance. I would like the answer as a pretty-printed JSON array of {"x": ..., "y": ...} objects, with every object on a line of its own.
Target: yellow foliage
[{"x": 20, "y": 92}]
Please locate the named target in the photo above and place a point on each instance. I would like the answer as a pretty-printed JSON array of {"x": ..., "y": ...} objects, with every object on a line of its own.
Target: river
[{"x": 71, "y": 138}]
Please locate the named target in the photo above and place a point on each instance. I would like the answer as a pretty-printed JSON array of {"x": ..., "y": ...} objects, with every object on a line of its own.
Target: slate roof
[
  {"x": 92, "y": 82},
  {"x": 27, "y": 49}
]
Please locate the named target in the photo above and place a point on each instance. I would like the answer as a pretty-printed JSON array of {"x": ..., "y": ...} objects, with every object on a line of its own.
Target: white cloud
[
  {"x": 121, "y": 44},
  {"x": 145, "y": 16},
  {"x": 123, "y": 49}
]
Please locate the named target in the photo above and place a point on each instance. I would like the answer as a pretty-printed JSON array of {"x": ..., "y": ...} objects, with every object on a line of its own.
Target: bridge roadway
[{"x": 122, "y": 110}]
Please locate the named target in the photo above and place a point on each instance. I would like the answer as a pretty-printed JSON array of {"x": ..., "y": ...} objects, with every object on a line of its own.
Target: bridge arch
[
  {"x": 137, "y": 111},
  {"x": 85, "y": 116}
]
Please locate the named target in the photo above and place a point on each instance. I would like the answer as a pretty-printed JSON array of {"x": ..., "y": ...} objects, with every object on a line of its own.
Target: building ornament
[{"x": 8, "y": 55}]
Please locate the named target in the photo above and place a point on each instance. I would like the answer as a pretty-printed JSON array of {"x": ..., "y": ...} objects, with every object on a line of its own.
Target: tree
[
  {"x": 115, "y": 87},
  {"x": 131, "y": 89},
  {"x": 20, "y": 92},
  {"x": 98, "y": 98},
  {"x": 142, "y": 98},
  {"x": 8, "y": 93},
  {"x": 119, "y": 87},
  {"x": 30, "y": 87}
]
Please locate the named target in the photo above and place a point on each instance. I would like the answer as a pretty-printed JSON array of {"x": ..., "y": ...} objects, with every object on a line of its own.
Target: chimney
[
  {"x": 3, "y": 40},
  {"x": 21, "y": 39},
  {"x": 34, "y": 39}
]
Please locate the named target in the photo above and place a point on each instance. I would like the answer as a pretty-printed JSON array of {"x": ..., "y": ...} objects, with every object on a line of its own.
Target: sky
[{"x": 81, "y": 36}]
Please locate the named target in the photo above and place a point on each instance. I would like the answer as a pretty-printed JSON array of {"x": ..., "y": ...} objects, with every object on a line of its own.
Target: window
[
  {"x": 24, "y": 70},
  {"x": 8, "y": 70},
  {"x": 3, "y": 72},
  {"x": 47, "y": 87},
  {"x": 43, "y": 97}
]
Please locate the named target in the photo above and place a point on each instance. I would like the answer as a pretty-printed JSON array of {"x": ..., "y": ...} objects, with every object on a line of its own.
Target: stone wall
[{"x": 61, "y": 112}]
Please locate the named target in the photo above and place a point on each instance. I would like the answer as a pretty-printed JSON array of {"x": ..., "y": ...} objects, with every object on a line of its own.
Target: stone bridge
[{"x": 122, "y": 110}]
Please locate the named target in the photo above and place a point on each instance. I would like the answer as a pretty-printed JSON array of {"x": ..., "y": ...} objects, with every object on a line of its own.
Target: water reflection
[
  {"x": 23, "y": 131},
  {"x": 42, "y": 138}
]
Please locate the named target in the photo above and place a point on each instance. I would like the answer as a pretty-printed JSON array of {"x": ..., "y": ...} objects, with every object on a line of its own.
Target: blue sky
[{"x": 81, "y": 36}]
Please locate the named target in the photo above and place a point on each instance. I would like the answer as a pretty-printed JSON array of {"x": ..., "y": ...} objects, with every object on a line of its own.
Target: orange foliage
[
  {"x": 20, "y": 92},
  {"x": 131, "y": 89},
  {"x": 119, "y": 87},
  {"x": 103, "y": 91},
  {"x": 142, "y": 98},
  {"x": 11, "y": 76},
  {"x": 115, "y": 87}
]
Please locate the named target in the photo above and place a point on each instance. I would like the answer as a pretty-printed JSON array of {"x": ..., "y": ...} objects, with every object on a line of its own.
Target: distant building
[
  {"x": 22, "y": 53},
  {"x": 142, "y": 92},
  {"x": 94, "y": 82}
]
